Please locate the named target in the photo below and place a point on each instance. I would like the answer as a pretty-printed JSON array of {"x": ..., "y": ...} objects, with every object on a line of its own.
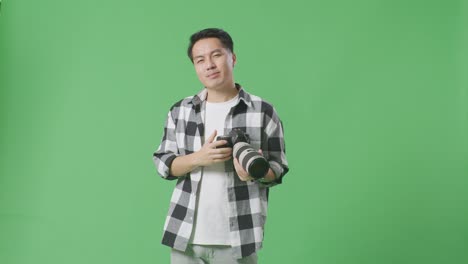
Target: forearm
[
  {"x": 183, "y": 165},
  {"x": 206, "y": 156}
]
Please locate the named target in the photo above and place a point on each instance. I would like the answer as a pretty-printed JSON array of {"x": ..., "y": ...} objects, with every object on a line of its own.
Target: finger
[
  {"x": 223, "y": 159},
  {"x": 221, "y": 156},
  {"x": 240, "y": 170},
  {"x": 223, "y": 150},
  {"x": 212, "y": 137},
  {"x": 236, "y": 163},
  {"x": 218, "y": 143},
  {"x": 260, "y": 151}
]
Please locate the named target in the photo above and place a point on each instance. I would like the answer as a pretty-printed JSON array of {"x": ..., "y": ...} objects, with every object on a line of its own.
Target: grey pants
[{"x": 201, "y": 254}]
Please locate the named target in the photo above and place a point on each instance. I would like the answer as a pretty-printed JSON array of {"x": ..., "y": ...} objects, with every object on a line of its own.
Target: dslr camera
[{"x": 252, "y": 161}]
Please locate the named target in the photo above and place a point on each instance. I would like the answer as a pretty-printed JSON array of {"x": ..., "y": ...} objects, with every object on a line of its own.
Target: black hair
[{"x": 218, "y": 33}]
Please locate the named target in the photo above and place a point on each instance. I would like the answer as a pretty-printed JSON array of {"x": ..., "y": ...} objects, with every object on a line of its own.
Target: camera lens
[{"x": 254, "y": 163}]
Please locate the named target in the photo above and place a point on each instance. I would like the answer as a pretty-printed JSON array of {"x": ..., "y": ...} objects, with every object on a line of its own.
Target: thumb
[{"x": 212, "y": 137}]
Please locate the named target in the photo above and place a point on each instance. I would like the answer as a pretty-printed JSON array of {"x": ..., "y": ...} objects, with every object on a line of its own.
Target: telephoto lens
[{"x": 252, "y": 161}]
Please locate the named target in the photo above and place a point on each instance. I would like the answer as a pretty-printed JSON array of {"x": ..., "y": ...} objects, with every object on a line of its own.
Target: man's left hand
[{"x": 243, "y": 174}]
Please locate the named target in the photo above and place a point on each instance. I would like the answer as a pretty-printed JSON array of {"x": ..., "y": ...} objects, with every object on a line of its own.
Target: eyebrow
[{"x": 201, "y": 56}]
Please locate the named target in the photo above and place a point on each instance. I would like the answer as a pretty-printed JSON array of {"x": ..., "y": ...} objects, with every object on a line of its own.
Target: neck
[{"x": 221, "y": 95}]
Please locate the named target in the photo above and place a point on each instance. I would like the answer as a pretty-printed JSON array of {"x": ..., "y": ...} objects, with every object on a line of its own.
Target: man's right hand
[
  {"x": 209, "y": 154},
  {"x": 206, "y": 156}
]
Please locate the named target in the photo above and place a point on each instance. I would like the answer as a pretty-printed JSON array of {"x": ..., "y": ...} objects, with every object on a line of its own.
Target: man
[{"x": 217, "y": 211}]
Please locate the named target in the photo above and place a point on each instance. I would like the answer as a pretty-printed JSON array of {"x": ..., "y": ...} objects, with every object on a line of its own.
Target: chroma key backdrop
[{"x": 373, "y": 95}]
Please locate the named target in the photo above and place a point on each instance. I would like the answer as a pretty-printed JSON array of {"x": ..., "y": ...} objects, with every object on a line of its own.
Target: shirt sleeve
[
  {"x": 273, "y": 145},
  {"x": 167, "y": 150}
]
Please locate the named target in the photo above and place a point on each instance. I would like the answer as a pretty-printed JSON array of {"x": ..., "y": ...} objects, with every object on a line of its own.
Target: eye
[
  {"x": 217, "y": 55},
  {"x": 199, "y": 61}
]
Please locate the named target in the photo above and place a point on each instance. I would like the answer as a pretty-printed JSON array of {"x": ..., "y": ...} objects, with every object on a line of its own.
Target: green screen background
[{"x": 373, "y": 96}]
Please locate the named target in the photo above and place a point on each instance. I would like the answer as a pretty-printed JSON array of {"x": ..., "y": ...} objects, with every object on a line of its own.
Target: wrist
[
  {"x": 268, "y": 178},
  {"x": 194, "y": 160}
]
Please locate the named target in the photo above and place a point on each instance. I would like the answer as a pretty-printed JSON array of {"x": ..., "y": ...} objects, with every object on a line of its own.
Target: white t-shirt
[{"x": 211, "y": 225}]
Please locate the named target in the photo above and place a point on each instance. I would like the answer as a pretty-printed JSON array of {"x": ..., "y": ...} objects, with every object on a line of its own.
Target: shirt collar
[{"x": 243, "y": 96}]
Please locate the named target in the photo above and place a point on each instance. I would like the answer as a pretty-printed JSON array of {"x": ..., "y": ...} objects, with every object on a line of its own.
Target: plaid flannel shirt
[{"x": 247, "y": 207}]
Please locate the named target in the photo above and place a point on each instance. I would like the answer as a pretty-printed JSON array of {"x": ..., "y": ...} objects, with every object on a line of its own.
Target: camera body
[
  {"x": 252, "y": 161},
  {"x": 235, "y": 136}
]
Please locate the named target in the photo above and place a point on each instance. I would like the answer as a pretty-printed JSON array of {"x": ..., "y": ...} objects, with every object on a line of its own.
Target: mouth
[{"x": 213, "y": 75}]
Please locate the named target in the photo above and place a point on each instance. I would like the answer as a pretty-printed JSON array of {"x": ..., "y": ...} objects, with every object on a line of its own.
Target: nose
[{"x": 210, "y": 64}]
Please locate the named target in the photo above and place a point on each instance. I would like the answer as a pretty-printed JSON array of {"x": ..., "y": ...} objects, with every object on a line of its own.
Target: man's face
[{"x": 213, "y": 63}]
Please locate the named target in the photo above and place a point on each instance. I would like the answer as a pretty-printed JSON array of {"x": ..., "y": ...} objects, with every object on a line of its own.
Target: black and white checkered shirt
[{"x": 248, "y": 201}]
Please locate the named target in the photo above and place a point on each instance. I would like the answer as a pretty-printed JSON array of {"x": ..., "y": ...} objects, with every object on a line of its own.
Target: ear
[{"x": 234, "y": 59}]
